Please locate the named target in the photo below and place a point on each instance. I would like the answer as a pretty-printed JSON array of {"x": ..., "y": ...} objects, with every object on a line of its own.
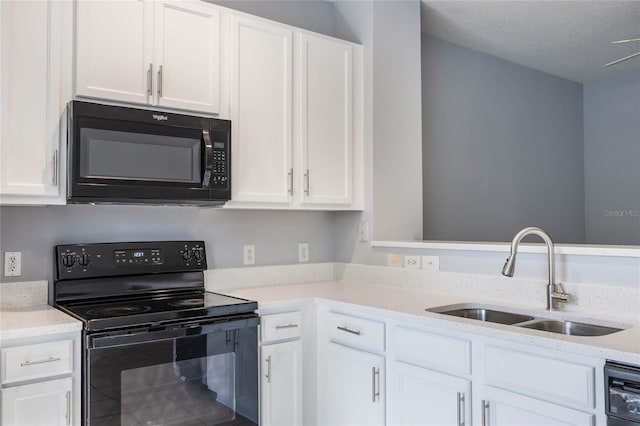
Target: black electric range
[{"x": 151, "y": 328}]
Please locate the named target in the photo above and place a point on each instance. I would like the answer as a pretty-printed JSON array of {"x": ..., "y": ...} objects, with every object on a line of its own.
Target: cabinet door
[
  {"x": 187, "y": 55},
  {"x": 261, "y": 111},
  {"x": 424, "y": 397},
  {"x": 35, "y": 47},
  {"x": 38, "y": 404},
  {"x": 282, "y": 384},
  {"x": 114, "y": 49},
  {"x": 502, "y": 408},
  {"x": 324, "y": 112},
  {"x": 356, "y": 387}
]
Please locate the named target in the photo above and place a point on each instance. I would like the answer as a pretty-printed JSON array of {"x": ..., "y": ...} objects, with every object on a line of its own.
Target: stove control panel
[{"x": 113, "y": 259}]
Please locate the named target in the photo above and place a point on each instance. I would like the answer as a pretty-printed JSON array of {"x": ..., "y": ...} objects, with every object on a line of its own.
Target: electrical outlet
[
  {"x": 412, "y": 262},
  {"x": 363, "y": 232},
  {"x": 394, "y": 260},
  {"x": 303, "y": 252},
  {"x": 431, "y": 262},
  {"x": 12, "y": 264},
  {"x": 249, "y": 255}
]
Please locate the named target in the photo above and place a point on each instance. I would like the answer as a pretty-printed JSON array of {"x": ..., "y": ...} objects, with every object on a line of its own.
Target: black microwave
[{"x": 136, "y": 156}]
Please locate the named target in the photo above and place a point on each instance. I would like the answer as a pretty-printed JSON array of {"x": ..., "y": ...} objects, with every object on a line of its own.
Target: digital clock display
[{"x": 138, "y": 257}]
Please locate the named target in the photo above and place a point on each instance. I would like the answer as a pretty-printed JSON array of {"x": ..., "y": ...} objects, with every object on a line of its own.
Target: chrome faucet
[{"x": 555, "y": 292}]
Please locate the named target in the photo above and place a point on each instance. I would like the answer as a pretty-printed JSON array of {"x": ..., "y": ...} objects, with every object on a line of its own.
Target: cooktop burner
[
  {"x": 114, "y": 311},
  {"x": 190, "y": 303}
]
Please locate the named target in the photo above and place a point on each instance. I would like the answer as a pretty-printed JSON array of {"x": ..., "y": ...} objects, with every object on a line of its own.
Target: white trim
[{"x": 570, "y": 249}]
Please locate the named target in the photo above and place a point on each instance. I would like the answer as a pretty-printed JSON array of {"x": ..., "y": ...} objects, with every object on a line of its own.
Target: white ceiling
[{"x": 569, "y": 39}]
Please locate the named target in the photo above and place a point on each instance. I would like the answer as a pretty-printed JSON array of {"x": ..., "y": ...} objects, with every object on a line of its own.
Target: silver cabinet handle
[
  {"x": 461, "y": 413},
  {"x": 290, "y": 176},
  {"x": 375, "y": 384},
  {"x": 150, "y": 80},
  {"x": 67, "y": 416},
  {"x": 485, "y": 413},
  {"x": 280, "y": 327},
  {"x": 56, "y": 168},
  {"x": 160, "y": 81},
  {"x": 306, "y": 182},
  {"x": 40, "y": 361},
  {"x": 345, "y": 329},
  {"x": 268, "y": 375}
]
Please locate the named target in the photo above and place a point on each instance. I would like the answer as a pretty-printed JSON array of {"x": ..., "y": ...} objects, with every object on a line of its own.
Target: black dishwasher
[{"x": 622, "y": 393}]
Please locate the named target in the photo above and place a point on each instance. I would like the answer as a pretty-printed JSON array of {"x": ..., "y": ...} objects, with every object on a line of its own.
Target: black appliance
[
  {"x": 137, "y": 156},
  {"x": 157, "y": 348},
  {"x": 622, "y": 394}
]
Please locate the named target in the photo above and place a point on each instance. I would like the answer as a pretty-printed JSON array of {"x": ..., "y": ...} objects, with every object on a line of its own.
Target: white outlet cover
[
  {"x": 412, "y": 262},
  {"x": 431, "y": 263},
  {"x": 12, "y": 264},
  {"x": 249, "y": 257}
]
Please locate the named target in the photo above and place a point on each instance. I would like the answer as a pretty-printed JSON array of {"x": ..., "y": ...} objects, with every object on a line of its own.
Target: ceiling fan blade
[
  {"x": 625, "y": 41},
  {"x": 622, "y": 59}
]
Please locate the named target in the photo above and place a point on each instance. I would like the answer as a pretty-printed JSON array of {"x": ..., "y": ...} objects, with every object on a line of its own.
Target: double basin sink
[{"x": 492, "y": 314}]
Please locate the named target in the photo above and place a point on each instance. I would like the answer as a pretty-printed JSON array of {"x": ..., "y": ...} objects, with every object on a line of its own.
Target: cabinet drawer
[
  {"x": 433, "y": 351},
  {"x": 281, "y": 326},
  {"x": 35, "y": 361},
  {"x": 539, "y": 376},
  {"x": 356, "y": 332}
]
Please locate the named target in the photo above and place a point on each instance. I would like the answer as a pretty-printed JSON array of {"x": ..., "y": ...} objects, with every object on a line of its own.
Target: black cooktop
[{"x": 156, "y": 310}]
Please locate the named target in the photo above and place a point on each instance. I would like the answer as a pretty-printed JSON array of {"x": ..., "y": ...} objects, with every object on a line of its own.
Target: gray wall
[
  {"x": 312, "y": 15},
  {"x": 34, "y": 231},
  {"x": 612, "y": 160},
  {"x": 502, "y": 148}
]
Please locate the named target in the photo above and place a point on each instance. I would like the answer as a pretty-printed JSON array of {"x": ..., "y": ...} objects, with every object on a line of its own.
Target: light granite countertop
[
  {"x": 32, "y": 321},
  {"x": 409, "y": 305}
]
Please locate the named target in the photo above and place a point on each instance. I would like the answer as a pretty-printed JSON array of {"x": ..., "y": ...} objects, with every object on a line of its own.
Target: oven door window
[{"x": 208, "y": 379}]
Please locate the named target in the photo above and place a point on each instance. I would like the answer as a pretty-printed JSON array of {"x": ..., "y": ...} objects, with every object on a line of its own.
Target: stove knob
[
  {"x": 85, "y": 259},
  {"x": 199, "y": 253},
  {"x": 186, "y": 255},
  {"x": 68, "y": 260}
]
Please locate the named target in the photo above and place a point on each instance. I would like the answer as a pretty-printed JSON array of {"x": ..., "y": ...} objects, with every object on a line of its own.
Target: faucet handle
[{"x": 559, "y": 295}]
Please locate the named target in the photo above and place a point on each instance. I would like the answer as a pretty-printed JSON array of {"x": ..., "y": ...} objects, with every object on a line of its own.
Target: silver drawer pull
[
  {"x": 345, "y": 329},
  {"x": 40, "y": 361},
  {"x": 280, "y": 327}
]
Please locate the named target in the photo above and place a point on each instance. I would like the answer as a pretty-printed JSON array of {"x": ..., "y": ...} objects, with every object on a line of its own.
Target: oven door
[
  {"x": 198, "y": 374},
  {"x": 120, "y": 154}
]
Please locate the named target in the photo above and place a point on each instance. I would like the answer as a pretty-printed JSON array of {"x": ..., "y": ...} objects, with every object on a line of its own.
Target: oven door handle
[
  {"x": 169, "y": 332},
  {"x": 208, "y": 155}
]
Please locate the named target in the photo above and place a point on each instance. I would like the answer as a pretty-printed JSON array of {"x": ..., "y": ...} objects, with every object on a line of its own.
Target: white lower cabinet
[
  {"x": 502, "y": 408},
  {"x": 356, "y": 387},
  {"x": 40, "y": 380},
  {"x": 281, "y": 392},
  {"x": 282, "y": 384},
  {"x": 39, "y": 404},
  {"x": 425, "y": 397}
]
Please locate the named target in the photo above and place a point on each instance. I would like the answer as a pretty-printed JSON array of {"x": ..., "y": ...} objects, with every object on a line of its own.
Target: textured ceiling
[{"x": 569, "y": 39}]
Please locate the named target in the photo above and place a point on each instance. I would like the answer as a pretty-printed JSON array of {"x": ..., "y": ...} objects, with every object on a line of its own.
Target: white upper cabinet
[
  {"x": 35, "y": 55},
  {"x": 187, "y": 55},
  {"x": 296, "y": 109},
  {"x": 325, "y": 108},
  {"x": 114, "y": 50},
  {"x": 164, "y": 53},
  {"x": 261, "y": 111}
]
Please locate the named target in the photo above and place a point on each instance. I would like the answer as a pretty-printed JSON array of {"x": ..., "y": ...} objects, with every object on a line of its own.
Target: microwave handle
[{"x": 208, "y": 155}]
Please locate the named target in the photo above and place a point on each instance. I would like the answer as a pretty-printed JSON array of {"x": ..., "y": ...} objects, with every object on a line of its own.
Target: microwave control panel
[{"x": 220, "y": 176}]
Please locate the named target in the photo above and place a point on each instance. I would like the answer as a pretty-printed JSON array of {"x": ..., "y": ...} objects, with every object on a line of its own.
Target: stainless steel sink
[
  {"x": 495, "y": 314},
  {"x": 570, "y": 328},
  {"x": 488, "y": 315}
]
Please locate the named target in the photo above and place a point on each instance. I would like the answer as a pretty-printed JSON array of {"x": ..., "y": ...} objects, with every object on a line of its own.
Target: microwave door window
[{"x": 115, "y": 155}]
